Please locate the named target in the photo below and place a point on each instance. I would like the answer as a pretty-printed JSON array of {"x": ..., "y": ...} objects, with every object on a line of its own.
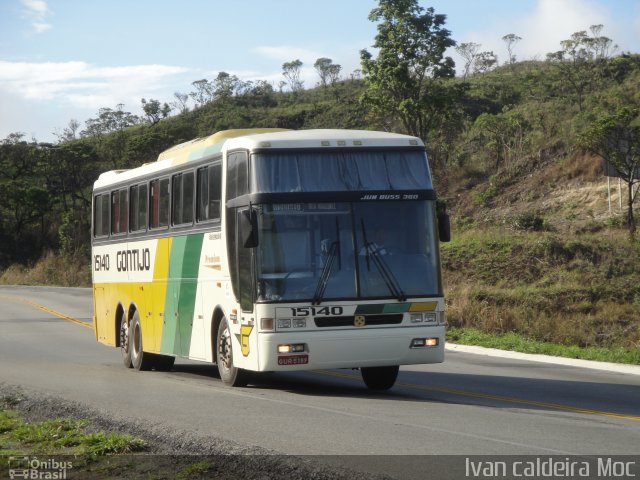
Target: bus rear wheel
[
  {"x": 229, "y": 374},
  {"x": 125, "y": 341},
  {"x": 379, "y": 378}
]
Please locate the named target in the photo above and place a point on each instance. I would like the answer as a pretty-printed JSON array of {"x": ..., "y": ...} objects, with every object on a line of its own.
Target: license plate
[{"x": 293, "y": 360}]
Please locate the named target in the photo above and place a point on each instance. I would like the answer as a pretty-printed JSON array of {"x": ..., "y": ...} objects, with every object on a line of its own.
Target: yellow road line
[
  {"x": 48, "y": 310},
  {"x": 464, "y": 393}
]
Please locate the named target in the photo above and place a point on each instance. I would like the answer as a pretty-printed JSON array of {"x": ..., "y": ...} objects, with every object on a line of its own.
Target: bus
[{"x": 272, "y": 250}]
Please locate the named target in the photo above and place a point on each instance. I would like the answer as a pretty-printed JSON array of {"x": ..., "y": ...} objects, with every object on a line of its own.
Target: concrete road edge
[{"x": 569, "y": 362}]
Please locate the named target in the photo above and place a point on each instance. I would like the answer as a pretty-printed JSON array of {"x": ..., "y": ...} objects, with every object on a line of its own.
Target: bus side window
[
  {"x": 182, "y": 212},
  {"x": 209, "y": 192},
  {"x": 138, "y": 206},
  {"x": 237, "y": 174},
  {"x": 119, "y": 211},
  {"x": 159, "y": 203},
  {"x": 101, "y": 216}
]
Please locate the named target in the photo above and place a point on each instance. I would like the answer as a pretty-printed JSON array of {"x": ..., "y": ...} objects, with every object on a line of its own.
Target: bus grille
[{"x": 348, "y": 321}]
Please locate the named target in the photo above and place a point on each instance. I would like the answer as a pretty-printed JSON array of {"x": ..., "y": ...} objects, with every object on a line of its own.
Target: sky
[{"x": 65, "y": 59}]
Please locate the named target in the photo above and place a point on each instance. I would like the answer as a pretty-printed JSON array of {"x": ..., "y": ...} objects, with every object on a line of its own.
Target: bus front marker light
[
  {"x": 299, "y": 323},
  {"x": 441, "y": 318},
  {"x": 284, "y": 323},
  {"x": 266, "y": 324},
  {"x": 416, "y": 317}
]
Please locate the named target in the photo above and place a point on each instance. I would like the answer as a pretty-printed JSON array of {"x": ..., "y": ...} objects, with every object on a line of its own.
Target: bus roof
[{"x": 260, "y": 138}]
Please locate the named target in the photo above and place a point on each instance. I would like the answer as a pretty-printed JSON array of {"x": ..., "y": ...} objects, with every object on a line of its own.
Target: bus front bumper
[{"x": 374, "y": 347}]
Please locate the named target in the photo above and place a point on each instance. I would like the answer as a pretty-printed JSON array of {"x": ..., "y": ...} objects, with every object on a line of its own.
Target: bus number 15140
[{"x": 313, "y": 311}]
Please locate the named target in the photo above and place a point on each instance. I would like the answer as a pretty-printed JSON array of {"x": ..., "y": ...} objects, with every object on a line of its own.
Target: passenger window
[
  {"x": 183, "y": 199},
  {"x": 101, "y": 215},
  {"x": 138, "y": 212},
  {"x": 119, "y": 211},
  {"x": 159, "y": 203},
  {"x": 209, "y": 192}
]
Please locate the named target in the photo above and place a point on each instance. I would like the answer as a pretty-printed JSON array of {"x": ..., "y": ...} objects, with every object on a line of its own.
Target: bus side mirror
[
  {"x": 248, "y": 223},
  {"x": 444, "y": 227}
]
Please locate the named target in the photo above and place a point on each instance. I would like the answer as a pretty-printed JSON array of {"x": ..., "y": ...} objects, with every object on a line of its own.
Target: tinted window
[
  {"x": 183, "y": 198},
  {"x": 119, "y": 211},
  {"x": 209, "y": 192},
  {"x": 138, "y": 213},
  {"x": 159, "y": 203},
  {"x": 237, "y": 174},
  {"x": 101, "y": 215}
]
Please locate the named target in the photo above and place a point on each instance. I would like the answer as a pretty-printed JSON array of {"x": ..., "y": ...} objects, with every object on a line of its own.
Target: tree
[
  {"x": 224, "y": 86},
  {"x": 291, "y": 72},
  {"x": 328, "y": 71},
  {"x": 203, "y": 93},
  {"x": 468, "y": 51},
  {"x": 109, "y": 121},
  {"x": 484, "y": 62},
  {"x": 511, "y": 39},
  {"x": 180, "y": 102},
  {"x": 505, "y": 135},
  {"x": 154, "y": 111},
  {"x": 581, "y": 61},
  {"x": 70, "y": 131},
  {"x": 405, "y": 81},
  {"x": 616, "y": 138}
]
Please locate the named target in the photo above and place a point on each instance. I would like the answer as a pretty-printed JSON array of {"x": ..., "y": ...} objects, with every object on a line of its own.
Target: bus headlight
[
  {"x": 415, "y": 317},
  {"x": 425, "y": 342},
  {"x": 291, "y": 348}
]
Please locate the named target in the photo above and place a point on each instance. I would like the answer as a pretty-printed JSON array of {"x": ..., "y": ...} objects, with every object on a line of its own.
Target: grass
[
  {"x": 580, "y": 292},
  {"x": 61, "y": 437},
  {"x": 51, "y": 269},
  {"x": 518, "y": 343}
]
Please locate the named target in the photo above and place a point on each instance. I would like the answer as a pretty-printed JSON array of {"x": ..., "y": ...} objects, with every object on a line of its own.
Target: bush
[{"x": 528, "y": 221}]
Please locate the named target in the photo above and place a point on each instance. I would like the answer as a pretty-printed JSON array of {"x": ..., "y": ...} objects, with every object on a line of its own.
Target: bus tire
[
  {"x": 379, "y": 378},
  {"x": 125, "y": 341},
  {"x": 139, "y": 359},
  {"x": 229, "y": 374}
]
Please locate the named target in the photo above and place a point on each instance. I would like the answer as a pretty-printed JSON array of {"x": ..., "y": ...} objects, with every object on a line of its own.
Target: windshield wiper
[
  {"x": 386, "y": 273},
  {"x": 334, "y": 251}
]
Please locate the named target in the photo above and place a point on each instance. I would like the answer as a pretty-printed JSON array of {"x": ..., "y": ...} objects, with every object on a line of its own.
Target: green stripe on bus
[
  {"x": 396, "y": 307},
  {"x": 369, "y": 309},
  {"x": 180, "y": 303}
]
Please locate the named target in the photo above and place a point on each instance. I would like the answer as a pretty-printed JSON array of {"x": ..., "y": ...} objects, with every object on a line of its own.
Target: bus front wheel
[
  {"x": 379, "y": 378},
  {"x": 229, "y": 374},
  {"x": 139, "y": 359}
]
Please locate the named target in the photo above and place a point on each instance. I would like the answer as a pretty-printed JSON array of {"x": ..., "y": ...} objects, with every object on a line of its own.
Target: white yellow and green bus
[{"x": 270, "y": 250}]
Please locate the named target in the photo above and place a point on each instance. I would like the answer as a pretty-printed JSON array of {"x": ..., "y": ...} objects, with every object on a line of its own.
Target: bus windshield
[{"x": 349, "y": 250}]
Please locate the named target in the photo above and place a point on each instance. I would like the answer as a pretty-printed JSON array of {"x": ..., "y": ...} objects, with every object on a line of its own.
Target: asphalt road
[{"x": 470, "y": 405}]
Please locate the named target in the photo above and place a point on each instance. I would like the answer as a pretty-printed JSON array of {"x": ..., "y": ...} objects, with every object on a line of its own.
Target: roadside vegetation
[
  {"x": 70, "y": 441},
  {"x": 62, "y": 447},
  {"x": 515, "y": 147}
]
